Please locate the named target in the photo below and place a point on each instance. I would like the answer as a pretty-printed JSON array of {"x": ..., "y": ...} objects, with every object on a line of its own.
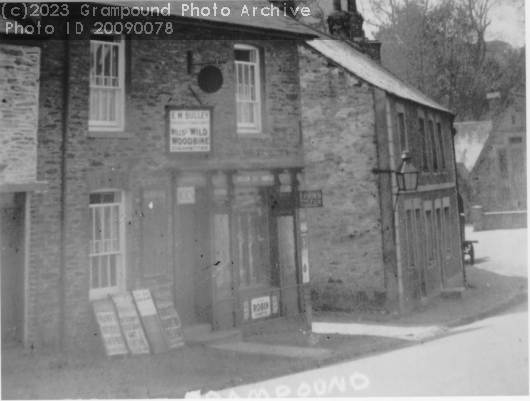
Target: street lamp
[{"x": 406, "y": 174}]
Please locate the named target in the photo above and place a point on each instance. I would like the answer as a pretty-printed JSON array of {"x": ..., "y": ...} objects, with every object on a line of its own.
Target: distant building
[
  {"x": 498, "y": 178},
  {"x": 469, "y": 140}
]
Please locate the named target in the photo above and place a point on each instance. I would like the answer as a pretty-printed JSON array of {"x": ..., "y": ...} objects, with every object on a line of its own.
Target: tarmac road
[{"x": 485, "y": 358}]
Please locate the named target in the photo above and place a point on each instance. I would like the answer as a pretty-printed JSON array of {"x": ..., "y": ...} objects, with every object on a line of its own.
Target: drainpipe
[
  {"x": 62, "y": 265},
  {"x": 394, "y": 202}
]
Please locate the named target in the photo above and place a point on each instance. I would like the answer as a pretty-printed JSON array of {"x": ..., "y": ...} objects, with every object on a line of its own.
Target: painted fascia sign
[{"x": 190, "y": 130}]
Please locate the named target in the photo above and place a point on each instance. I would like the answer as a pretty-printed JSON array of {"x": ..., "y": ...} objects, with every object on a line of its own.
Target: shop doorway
[
  {"x": 193, "y": 262},
  {"x": 12, "y": 258}
]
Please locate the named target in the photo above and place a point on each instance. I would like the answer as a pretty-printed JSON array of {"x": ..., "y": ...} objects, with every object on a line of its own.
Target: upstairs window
[
  {"x": 434, "y": 151},
  {"x": 248, "y": 89},
  {"x": 107, "y": 83},
  {"x": 403, "y": 140},
  {"x": 423, "y": 141},
  {"x": 443, "y": 164}
]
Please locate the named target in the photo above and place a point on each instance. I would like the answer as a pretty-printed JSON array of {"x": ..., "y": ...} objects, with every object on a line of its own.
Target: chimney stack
[
  {"x": 339, "y": 22},
  {"x": 348, "y": 25}
]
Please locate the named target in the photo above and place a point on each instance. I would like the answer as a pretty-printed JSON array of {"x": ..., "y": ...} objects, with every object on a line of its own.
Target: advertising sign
[
  {"x": 310, "y": 198},
  {"x": 171, "y": 324},
  {"x": 260, "y": 307},
  {"x": 190, "y": 130},
  {"x": 149, "y": 315},
  {"x": 130, "y": 324},
  {"x": 109, "y": 326}
]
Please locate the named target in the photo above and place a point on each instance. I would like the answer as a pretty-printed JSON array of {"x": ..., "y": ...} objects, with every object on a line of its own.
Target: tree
[{"x": 440, "y": 48}]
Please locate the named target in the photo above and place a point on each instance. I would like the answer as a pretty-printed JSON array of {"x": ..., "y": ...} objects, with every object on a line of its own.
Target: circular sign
[{"x": 210, "y": 79}]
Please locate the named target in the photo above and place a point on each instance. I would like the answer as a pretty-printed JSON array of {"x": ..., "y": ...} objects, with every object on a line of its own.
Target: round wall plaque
[{"x": 210, "y": 79}]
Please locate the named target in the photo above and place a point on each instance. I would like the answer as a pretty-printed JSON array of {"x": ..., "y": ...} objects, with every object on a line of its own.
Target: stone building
[
  {"x": 172, "y": 154},
  {"x": 372, "y": 246},
  {"x": 498, "y": 178},
  {"x": 469, "y": 141}
]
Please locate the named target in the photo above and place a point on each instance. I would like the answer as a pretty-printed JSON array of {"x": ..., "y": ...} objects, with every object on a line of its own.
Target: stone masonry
[
  {"x": 157, "y": 76},
  {"x": 19, "y": 92},
  {"x": 345, "y": 252}
]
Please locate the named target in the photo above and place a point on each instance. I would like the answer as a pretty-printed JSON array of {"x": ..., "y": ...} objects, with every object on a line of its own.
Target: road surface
[{"x": 489, "y": 357}]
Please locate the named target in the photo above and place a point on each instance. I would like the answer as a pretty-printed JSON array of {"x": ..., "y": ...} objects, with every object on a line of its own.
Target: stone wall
[
  {"x": 19, "y": 92},
  {"x": 157, "y": 77},
  {"x": 345, "y": 243}
]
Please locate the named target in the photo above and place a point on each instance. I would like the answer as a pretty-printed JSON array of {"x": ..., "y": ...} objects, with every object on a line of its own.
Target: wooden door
[
  {"x": 12, "y": 209},
  {"x": 287, "y": 262},
  {"x": 193, "y": 278}
]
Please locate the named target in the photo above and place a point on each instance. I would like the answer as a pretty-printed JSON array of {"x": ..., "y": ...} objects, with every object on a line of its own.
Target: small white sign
[
  {"x": 186, "y": 195},
  {"x": 260, "y": 307},
  {"x": 144, "y": 302}
]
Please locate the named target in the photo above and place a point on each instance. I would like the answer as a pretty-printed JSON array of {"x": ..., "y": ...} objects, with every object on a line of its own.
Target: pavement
[{"x": 274, "y": 348}]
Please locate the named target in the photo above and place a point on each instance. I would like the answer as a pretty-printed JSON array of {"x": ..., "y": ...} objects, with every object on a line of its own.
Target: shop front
[{"x": 237, "y": 252}]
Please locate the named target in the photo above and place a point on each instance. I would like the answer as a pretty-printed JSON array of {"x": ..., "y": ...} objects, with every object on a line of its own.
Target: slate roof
[
  {"x": 368, "y": 70},
  {"x": 469, "y": 141},
  {"x": 280, "y": 24}
]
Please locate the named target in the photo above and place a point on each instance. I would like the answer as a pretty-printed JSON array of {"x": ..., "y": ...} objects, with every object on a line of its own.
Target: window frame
[
  {"x": 422, "y": 131},
  {"x": 103, "y": 292},
  {"x": 119, "y": 124},
  {"x": 257, "y": 127},
  {"x": 403, "y": 134},
  {"x": 433, "y": 142},
  {"x": 440, "y": 136}
]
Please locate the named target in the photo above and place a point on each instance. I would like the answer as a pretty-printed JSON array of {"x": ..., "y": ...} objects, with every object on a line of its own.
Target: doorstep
[{"x": 202, "y": 334}]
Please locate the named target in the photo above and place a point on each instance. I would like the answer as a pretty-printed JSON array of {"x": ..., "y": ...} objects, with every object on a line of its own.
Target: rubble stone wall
[
  {"x": 345, "y": 239},
  {"x": 19, "y": 93},
  {"x": 156, "y": 77}
]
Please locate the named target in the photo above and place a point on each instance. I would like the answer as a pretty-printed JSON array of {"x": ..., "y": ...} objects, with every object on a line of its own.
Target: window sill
[
  {"x": 254, "y": 135},
  {"x": 109, "y": 134}
]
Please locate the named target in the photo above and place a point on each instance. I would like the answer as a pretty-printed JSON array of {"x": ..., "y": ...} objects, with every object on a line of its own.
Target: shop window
[
  {"x": 107, "y": 83},
  {"x": 434, "y": 151},
  {"x": 248, "y": 93},
  {"x": 106, "y": 243},
  {"x": 443, "y": 164},
  {"x": 252, "y": 224},
  {"x": 253, "y": 241},
  {"x": 429, "y": 230},
  {"x": 447, "y": 231},
  {"x": 423, "y": 142}
]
